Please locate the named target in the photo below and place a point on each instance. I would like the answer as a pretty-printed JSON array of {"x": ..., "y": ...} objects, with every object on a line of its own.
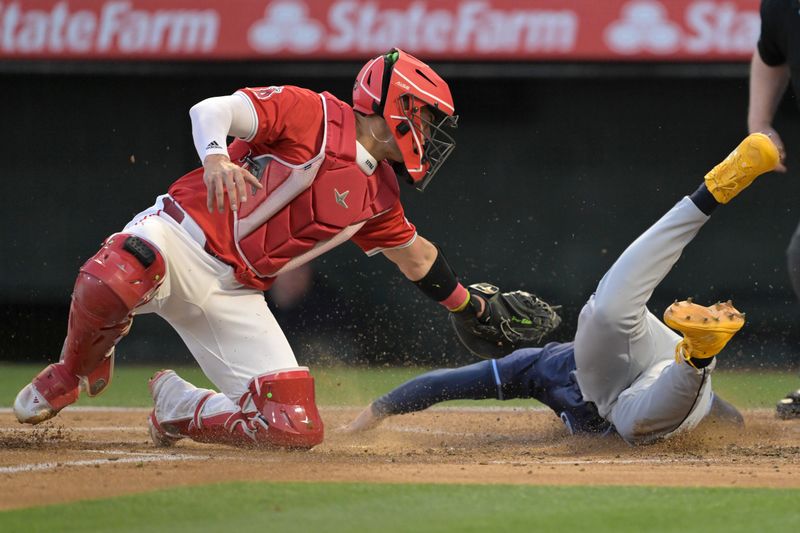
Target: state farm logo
[
  {"x": 439, "y": 27},
  {"x": 285, "y": 25},
  {"x": 111, "y": 26},
  {"x": 644, "y": 26}
]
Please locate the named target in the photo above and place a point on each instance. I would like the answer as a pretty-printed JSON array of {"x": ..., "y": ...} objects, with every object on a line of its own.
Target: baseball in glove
[{"x": 511, "y": 320}]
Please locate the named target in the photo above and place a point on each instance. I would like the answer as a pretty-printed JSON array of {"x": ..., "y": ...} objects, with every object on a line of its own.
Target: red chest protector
[{"x": 305, "y": 210}]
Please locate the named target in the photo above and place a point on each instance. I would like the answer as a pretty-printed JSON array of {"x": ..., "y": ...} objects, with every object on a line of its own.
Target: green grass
[
  {"x": 335, "y": 386},
  {"x": 349, "y": 507},
  {"x": 358, "y": 386}
]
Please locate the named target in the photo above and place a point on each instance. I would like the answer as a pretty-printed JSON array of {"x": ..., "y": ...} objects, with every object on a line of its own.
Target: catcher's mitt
[{"x": 511, "y": 320}]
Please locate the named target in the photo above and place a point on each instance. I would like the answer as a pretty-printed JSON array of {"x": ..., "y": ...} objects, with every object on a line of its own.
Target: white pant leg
[
  {"x": 618, "y": 340},
  {"x": 178, "y": 399},
  {"x": 228, "y": 328}
]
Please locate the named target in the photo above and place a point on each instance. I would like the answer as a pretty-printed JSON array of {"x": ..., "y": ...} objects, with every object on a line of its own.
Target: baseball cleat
[
  {"x": 160, "y": 437},
  {"x": 51, "y": 390},
  {"x": 31, "y": 407},
  {"x": 789, "y": 407},
  {"x": 706, "y": 330},
  {"x": 755, "y": 155}
]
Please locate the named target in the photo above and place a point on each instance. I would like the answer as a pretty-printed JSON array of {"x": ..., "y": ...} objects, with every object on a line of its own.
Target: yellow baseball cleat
[
  {"x": 755, "y": 155},
  {"x": 706, "y": 330}
]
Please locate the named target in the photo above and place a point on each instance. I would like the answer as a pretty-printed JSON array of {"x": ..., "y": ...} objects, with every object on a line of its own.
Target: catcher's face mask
[{"x": 425, "y": 142}]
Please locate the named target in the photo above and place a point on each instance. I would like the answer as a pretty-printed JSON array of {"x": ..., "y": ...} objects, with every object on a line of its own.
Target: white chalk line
[
  {"x": 92, "y": 409},
  {"x": 128, "y": 457},
  {"x": 428, "y": 431},
  {"x": 90, "y": 429},
  {"x": 123, "y": 452},
  {"x": 452, "y": 408},
  {"x": 580, "y": 462},
  {"x": 331, "y": 408}
]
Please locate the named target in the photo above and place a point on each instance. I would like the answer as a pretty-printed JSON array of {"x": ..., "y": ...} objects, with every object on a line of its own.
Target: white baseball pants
[{"x": 228, "y": 327}]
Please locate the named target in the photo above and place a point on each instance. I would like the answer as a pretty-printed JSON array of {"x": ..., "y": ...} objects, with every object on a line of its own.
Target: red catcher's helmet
[{"x": 398, "y": 86}]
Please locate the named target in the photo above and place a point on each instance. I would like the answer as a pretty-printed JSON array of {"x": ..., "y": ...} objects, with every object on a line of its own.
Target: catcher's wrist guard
[
  {"x": 510, "y": 320},
  {"x": 441, "y": 284}
]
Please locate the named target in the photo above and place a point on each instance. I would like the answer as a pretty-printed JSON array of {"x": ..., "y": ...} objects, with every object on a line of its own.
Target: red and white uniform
[
  {"x": 205, "y": 272},
  {"x": 315, "y": 195}
]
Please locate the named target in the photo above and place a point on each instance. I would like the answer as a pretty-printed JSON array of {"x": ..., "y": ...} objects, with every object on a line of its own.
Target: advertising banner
[{"x": 466, "y": 30}]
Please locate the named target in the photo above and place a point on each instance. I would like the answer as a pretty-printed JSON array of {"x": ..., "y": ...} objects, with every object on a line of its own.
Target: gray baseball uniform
[{"x": 625, "y": 355}]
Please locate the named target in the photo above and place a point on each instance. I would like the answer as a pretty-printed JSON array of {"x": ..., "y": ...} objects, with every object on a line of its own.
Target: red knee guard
[
  {"x": 286, "y": 402},
  {"x": 125, "y": 273}
]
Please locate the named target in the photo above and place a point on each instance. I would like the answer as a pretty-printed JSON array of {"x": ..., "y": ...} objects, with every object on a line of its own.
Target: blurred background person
[{"x": 775, "y": 62}]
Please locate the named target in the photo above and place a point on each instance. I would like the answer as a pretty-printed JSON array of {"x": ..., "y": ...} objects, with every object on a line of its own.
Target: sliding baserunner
[{"x": 625, "y": 371}]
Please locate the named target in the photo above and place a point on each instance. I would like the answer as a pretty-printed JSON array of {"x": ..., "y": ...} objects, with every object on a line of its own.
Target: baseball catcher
[
  {"x": 625, "y": 371},
  {"x": 305, "y": 173},
  {"x": 510, "y": 320}
]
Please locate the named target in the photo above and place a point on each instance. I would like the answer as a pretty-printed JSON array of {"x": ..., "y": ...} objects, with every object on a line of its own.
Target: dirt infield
[{"x": 102, "y": 453}]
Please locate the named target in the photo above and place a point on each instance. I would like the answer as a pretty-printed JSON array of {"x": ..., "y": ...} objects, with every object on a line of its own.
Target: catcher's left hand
[{"x": 510, "y": 320}]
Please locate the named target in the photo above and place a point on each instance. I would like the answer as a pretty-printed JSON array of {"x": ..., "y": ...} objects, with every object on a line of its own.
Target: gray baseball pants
[{"x": 625, "y": 356}]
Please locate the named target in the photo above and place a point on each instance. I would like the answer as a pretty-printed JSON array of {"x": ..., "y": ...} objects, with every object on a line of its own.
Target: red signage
[{"x": 568, "y": 30}]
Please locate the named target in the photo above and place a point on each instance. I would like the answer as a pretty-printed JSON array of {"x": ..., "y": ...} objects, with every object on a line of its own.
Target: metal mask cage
[{"x": 436, "y": 144}]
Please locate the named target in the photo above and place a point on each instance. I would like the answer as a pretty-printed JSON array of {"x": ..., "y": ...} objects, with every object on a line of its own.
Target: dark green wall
[{"x": 550, "y": 181}]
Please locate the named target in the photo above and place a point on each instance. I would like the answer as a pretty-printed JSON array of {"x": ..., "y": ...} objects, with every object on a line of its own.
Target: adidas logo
[{"x": 212, "y": 145}]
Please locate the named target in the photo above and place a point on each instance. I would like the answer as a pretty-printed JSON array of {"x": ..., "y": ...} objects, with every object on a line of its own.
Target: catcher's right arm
[{"x": 510, "y": 320}]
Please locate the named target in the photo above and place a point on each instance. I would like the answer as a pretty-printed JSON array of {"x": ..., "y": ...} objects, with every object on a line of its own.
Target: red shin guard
[
  {"x": 124, "y": 274},
  {"x": 57, "y": 385}
]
